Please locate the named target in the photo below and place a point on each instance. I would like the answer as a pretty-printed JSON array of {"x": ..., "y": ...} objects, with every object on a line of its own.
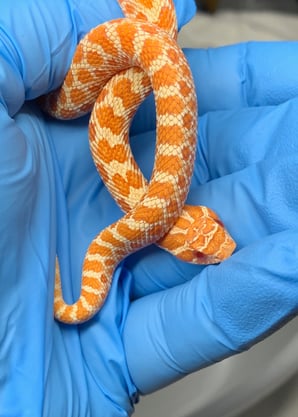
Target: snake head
[
  {"x": 207, "y": 238},
  {"x": 199, "y": 237}
]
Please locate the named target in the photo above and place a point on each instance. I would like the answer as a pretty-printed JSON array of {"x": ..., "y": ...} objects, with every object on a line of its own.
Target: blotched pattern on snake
[{"x": 114, "y": 68}]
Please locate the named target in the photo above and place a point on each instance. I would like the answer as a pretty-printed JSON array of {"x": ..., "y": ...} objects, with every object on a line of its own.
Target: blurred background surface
[
  {"x": 280, "y": 5},
  {"x": 262, "y": 382},
  {"x": 240, "y": 21}
]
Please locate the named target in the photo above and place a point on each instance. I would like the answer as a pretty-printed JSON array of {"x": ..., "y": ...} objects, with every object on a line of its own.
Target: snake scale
[{"x": 115, "y": 66}]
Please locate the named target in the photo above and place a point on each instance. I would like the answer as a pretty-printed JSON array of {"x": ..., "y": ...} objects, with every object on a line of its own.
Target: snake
[{"x": 114, "y": 68}]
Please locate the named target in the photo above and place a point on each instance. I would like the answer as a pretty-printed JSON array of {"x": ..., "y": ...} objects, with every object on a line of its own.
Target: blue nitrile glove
[{"x": 51, "y": 199}]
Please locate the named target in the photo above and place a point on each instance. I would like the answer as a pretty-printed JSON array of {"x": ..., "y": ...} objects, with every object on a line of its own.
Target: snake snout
[
  {"x": 227, "y": 248},
  {"x": 209, "y": 240},
  {"x": 205, "y": 255}
]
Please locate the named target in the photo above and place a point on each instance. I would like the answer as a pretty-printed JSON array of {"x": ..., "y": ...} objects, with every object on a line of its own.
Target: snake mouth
[
  {"x": 219, "y": 222},
  {"x": 201, "y": 258},
  {"x": 207, "y": 255}
]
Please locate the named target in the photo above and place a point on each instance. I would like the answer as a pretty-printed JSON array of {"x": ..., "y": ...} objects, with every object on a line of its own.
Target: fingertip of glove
[
  {"x": 91, "y": 13},
  {"x": 185, "y": 11}
]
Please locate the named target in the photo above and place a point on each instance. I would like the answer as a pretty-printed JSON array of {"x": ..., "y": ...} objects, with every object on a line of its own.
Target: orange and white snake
[{"x": 114, "y": 68}]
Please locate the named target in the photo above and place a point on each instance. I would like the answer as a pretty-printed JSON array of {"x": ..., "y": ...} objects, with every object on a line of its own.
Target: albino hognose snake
[{"x": 114, "y": 68}]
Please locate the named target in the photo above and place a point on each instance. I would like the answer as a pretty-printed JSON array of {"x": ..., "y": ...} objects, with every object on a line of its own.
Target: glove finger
[
  {"x": 237, "y": 76},
  {"x": 41, "y": 58},
  {"x": 244, "y": 171},
  {"x": 245, "y": 75},
  {"x": 222, "y": 311},
  {"x": 231, "y": 141},
  {"x": 248, "y": 170}
]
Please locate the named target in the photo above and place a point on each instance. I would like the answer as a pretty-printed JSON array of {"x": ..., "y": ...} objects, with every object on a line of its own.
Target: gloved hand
[
  {"x": 184, "y": 318},
  {"x": 163, "y": 318}
]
